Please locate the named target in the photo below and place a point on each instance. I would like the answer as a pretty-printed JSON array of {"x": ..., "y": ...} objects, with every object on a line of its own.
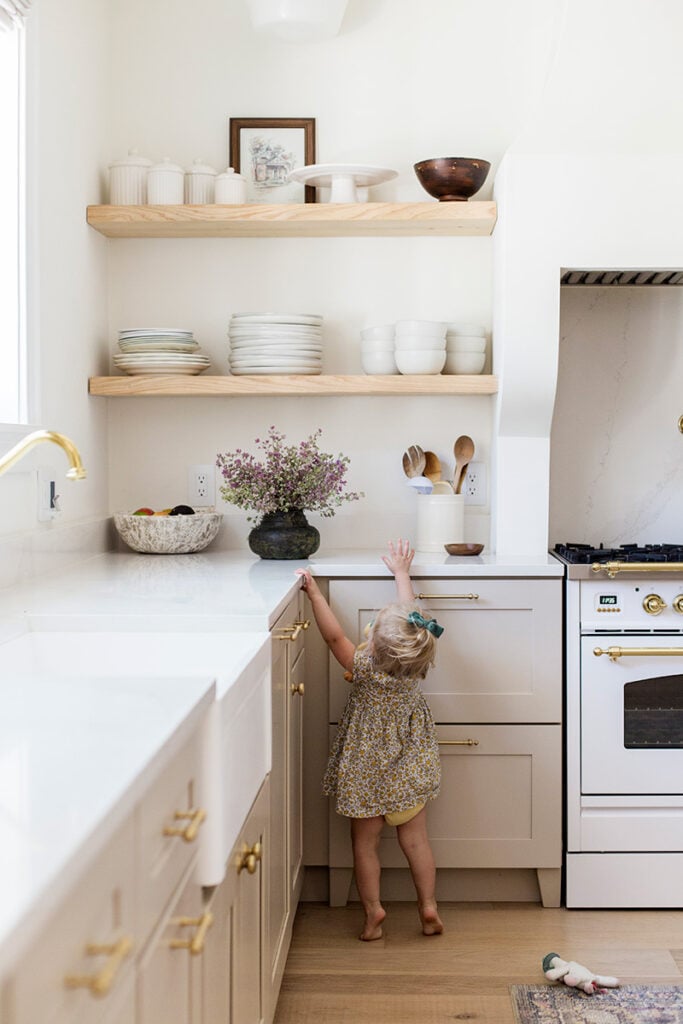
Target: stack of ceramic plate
[
  {"x": 161, "y": 350},
  {"x": 265, "y": 343}
]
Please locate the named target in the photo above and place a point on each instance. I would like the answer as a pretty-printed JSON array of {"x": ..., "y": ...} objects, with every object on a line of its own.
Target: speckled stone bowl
[{"x": 168, "y": 535}]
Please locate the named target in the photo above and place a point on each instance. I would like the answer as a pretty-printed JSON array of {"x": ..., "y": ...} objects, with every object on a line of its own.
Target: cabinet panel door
[
  {"x": 249, "y": 987},
  {"x": 499, "y": 658},
  {"x": 278, "y": 875},
  {"x": 295, "y": 797}
]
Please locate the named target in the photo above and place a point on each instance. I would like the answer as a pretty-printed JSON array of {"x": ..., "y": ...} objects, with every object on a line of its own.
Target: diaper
[{"x": 401, "y": 817}]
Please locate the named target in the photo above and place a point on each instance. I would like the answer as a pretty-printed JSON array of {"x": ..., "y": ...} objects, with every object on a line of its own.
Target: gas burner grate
[
  {"x": 621, "y": 277},
  {"x": 586, "y": 554}
]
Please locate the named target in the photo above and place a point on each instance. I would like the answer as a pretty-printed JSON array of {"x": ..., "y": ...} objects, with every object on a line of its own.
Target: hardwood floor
[{"x": 463, "y": 975}]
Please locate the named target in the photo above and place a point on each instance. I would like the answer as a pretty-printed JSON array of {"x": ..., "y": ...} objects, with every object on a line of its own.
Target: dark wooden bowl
[
  {"x": 464, "y": 549},
  {"x": 452, "y": 179}
]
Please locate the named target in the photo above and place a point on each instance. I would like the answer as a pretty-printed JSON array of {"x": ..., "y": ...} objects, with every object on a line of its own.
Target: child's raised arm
[
  {"x": 399, "y": 560},
  {"x": 330, "y": 630}
]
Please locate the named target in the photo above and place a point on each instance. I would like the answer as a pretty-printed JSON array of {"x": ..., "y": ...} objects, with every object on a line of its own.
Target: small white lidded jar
[
  {"x": 231, "y": 187},
  {"x": 128, "y": 180},
  {"x": 200, "y": 182},
  {"x": 165, "y": 184}
]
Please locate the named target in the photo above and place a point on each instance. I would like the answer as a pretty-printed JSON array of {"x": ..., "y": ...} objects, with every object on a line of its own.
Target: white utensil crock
[
  {"x": 231, "y": 187},
  {"x": 165, "y": 184},
  {"x": 200, "y": 182},
  {"x": 128, "y": 180},
  {"x": 440, "y": 520}
]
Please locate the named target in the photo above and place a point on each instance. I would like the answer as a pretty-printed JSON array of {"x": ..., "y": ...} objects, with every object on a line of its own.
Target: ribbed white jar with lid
[
  {"x": 440, "y": 520},
  {"x": 165, "y": 184},
  {"x": 200, "y": 182},
  {"x": 231, "y": 187},
  {"x": 128, "y": 180}
]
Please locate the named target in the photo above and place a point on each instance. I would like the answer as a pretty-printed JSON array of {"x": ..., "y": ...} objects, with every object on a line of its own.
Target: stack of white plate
[
  {"x": 267, "y": 343},
  {"x": 161, "y": 350}
]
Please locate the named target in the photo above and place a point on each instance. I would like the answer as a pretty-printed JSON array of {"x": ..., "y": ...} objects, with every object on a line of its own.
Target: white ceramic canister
[
  {"x": 200, "y": 182},
  {"x": 440, "y": 520},
  {"x": 128, "y": 180},
  {"x": 231, "y": 187},
  {"x": 165, "y": 184}
]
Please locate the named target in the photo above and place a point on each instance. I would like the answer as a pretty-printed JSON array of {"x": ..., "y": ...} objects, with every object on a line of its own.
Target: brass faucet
[{"x": 31, "y": 440}]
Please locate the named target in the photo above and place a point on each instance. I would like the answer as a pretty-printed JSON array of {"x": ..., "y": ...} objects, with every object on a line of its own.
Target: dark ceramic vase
[{"x": 284, "y": 535}]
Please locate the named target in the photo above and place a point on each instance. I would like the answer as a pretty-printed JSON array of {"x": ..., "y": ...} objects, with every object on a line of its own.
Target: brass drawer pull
[
  {"x": 100, "y": 983},
  {"x": 292, "y": 632},
  {"x": 297, "y": 688},
  {"x": 448, "y": 597},
  {"x": 641, "y": 652},
  {"x": 249, "y": 858},
  {"x": 189, "y": 833},
  {"x": 458, "y": 743},
  {"x": 196, "y": 943}
]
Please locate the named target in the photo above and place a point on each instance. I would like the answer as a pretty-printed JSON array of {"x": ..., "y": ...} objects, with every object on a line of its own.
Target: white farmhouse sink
[{"x": 238, "y": 755}]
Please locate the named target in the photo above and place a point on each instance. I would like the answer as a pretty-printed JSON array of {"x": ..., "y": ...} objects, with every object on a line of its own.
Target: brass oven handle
[
  {"x": 292, "y": 632},
  {"x": 447, "y": 597},
  {"x": 612, "y": 568},
  {"x": 100, "y": 983},
  {"x": 189, "y": 833},
  {"x": 196, "y": 943},
  {"x": 642, "y": 652},
  {"x": 458, "y": 743}
]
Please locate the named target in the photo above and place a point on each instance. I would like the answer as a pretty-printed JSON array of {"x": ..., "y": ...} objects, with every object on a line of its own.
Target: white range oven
[{"x": 624, "y": 715}]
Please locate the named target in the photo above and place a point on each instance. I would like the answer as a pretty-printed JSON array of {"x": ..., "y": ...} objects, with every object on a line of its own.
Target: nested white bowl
[
  {"x": 378, "y": 362},
  {"x": 464, "y": 328},
  {"x": 377, "y": 345},
  {"x": 430, "y": 328},
  {"x": 385, "y": 333},
  {"x": 168, "y": 535},
  {"x": 420, "y": 360},
  {"x": 463, "y": 343},
  {"x": 419, "y": 343},
  {"x": 464, "y": 362}
]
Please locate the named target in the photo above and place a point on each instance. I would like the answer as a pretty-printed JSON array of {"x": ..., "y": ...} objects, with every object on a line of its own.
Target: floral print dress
[{"x": 385, "y": 757}]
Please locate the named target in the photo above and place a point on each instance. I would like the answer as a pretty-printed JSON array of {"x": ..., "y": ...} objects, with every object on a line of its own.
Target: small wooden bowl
[{"x": 464, "y": 549}]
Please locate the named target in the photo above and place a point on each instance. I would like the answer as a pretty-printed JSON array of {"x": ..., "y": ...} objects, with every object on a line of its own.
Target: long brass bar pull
[
  {"x": 447, "y": 597},
  {"x": 189, "y": 833},
  {"x": 612, "y": 568},
  {"x": 638, "y": 652},
  {"x": 458, "y": 743},
  {"x": 196, "y": 943},
  {"x": 101, "y": 981}
]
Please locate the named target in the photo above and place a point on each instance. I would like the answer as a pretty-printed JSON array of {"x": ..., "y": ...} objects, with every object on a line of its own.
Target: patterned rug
[{"x": 630, "y": 1004}]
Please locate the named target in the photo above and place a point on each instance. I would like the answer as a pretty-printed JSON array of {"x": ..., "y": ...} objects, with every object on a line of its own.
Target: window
[{"x": 12, "y": 348}]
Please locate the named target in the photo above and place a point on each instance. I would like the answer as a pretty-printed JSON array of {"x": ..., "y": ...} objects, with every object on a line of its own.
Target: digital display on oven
[{"x": 604, "y": 599}]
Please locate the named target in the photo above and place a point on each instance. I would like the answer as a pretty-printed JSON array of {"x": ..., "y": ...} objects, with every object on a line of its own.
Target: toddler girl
[{"x": 384, "y": 764}]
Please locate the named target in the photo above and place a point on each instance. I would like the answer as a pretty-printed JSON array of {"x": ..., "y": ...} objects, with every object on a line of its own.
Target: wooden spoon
[
  {"x": 432, "y": 468},
  {"x": 463, "y": 449},
  {"x": 414, "y": 461}
]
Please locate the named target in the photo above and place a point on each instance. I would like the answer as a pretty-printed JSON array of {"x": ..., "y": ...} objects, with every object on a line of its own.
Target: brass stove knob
[
  {"x": 677, "y": 604},
  {"x": 653, "y": 604}
]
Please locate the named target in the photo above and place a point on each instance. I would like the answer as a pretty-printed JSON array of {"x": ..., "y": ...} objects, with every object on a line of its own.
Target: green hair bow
[{"x": 431, "y": 624}]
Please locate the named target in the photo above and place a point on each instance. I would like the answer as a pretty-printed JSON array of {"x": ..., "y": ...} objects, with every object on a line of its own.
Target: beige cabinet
[
  {"x": 496, "y": 695},
  {"x": 285, "y": 845}
]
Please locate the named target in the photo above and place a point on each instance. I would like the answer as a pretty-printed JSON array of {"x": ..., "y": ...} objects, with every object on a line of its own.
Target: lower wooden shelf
[{"x": 313, "y": 386}]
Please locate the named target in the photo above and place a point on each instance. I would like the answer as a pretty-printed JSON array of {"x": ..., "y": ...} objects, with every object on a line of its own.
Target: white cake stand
[{"x": 344, "y": 180}]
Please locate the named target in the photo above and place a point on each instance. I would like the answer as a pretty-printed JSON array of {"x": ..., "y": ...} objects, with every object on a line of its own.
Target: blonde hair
[{"x": 400, "y": 647}]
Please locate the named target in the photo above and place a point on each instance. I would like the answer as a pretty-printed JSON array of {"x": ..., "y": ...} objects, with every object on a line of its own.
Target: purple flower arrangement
[{"x": 288, "y": 477}]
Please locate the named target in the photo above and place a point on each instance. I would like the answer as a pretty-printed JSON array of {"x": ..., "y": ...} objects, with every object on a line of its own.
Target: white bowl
[
  {"x": 415, "y": 327},
  {"x": 464, "y": 362},
  {"x": 378, "y": 345},
  {"x": 464, "y": 343},
  {"x": 419, "y": 342},
  {"x": 378, "y": 362},
  {"x": 463, "y": 328},
  {"x": 168, "y": 535},
  {"x": 385, "y": 333},
  {"x": 420, "y": 361}
]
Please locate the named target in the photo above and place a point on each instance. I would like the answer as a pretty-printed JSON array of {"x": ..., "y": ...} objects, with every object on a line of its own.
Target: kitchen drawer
[
  {"x": 167, "y": 841},
  {"x": 499, "y": 659},
  {"x": 100, "y": 910}
]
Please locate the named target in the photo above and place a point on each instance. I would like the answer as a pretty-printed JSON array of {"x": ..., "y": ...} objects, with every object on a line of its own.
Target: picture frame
[{"x": 264, "y": 149}]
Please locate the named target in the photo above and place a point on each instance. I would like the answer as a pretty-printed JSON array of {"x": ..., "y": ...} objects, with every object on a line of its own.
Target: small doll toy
[{"x": 575, "y": 975}]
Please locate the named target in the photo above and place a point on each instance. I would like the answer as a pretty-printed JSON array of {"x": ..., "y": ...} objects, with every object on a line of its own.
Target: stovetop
[{"x": 586, "y": 554}]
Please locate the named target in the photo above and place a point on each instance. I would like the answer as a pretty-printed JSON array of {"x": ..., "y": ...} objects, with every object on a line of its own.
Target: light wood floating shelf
[
  {"x": 315, "y": 220},
  {"x": 311, "y": 386}
]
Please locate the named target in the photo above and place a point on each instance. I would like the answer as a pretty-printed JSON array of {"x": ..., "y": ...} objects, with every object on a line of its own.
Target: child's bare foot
[
  {"x": 431, "y": 922},
  {"x": 373, "y": 924}
]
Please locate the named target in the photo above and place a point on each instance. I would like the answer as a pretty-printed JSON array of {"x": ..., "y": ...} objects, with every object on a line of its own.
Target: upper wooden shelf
[
  {"x": 315, "y": 220},
  {"x": 312, "y": 386}
]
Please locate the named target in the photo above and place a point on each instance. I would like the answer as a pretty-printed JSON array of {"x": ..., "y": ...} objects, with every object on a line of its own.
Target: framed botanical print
[{"x": 265, "y": 149}]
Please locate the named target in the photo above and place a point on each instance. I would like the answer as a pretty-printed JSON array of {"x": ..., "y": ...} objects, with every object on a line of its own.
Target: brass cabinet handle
[
  {"x": 447, "y": 597},
  {"x": 196, "y": 943},
  {"x": 640, "y": 652},
  {"x": 249, "y": 858},
  {"x": 458, "y": 743},
  {"x": 292, "y": 632},
  {"x": 612, "y": 568},
  {"x": 189, "y": 833},
  {"x": 297, "y": 688},
  {"x": 100, "y": 983}
]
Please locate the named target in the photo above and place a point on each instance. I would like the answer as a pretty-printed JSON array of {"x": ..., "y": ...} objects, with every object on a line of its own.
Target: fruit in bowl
[
  {"x": 452, "y": 178},
  {"x": 177, "y": 531}
]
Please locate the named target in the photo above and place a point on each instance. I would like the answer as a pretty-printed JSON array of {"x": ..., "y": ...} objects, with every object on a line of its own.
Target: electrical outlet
[
  {"x": 474, "y": 487},
  {"x": 201, "y": 487}
]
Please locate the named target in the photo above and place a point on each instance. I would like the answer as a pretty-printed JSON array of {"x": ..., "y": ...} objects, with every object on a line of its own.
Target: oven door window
[{"x": 653, "y": 713}]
